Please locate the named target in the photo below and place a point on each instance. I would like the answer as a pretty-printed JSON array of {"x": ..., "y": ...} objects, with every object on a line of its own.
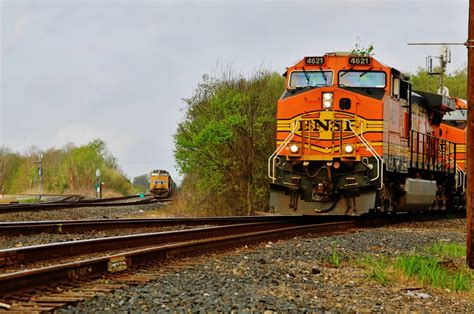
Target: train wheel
[{"x": 387, "y": 206}]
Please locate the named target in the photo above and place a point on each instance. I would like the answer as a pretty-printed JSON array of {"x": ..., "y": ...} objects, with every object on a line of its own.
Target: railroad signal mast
[{"x": 444, "y": 59}]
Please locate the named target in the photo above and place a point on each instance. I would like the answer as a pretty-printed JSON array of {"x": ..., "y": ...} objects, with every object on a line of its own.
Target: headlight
[
  {"x": 294, "y": 148},
  {"x": 349, "y": 149},
  {"x": 327, "y": 96},
  {"x": 327, "y": 104},
  {"x": 327, "y": 100}
]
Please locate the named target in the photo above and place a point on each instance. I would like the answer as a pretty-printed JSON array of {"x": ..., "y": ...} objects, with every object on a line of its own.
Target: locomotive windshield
[
  {"x": 300, "y": 79},
  {"x": 361, "y": 79},
  {"x": 457, "y": 118}
]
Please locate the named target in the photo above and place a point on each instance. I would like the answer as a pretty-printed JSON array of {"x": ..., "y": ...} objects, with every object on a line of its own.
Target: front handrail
[
  {"x": 374, "y": 153},
  {"x": 460, "y": 175},
  {"x": 272, "y": 158},
  {"x": 460, "y": 178}
]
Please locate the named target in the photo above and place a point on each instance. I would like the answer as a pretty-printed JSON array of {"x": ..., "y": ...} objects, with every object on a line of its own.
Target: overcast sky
[{"x": 72, "y": 71}]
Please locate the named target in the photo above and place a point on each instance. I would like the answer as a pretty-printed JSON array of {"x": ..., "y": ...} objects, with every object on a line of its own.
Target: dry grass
[
  {"x": 178, "y": 207},
  {"x": 7, "y": 199}
]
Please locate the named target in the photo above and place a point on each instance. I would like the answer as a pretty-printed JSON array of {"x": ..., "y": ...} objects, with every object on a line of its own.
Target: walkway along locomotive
[{"x": 352, "y": 138}]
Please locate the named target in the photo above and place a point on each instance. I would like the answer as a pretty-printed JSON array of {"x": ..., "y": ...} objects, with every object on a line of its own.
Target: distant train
[
  {"x": 161, "y": 184},
  {"x": 353, "y": 137}
]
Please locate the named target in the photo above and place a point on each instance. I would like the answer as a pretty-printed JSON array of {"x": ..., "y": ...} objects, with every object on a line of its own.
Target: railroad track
[
  {"x": 84, "y": 225},
  {"x": 49, "y": 273},
  {"x": 64, "y": 273},
  {"x": 78, "y": 201}
]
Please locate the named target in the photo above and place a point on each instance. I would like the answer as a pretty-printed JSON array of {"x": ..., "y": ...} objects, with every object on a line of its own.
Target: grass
[
  {"x": 444, "y": 249},
  {"x": 429, "y": 270},
  {"x": 28, "y": 201},
  {"x": 441, "y": 266},
  {"x": 377, "y": 268},
  {"x": 335, "y": 258}
]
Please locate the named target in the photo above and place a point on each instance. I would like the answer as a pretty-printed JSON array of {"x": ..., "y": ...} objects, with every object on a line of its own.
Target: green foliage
[
  {"x": 429, "y": 271},
  {"x": 376, "y": 268},
  {"x": 28, "y": 201},
  {"x": 68, "y": 169},
  {"x": 443, "y": 249},
  {"x": 335, "y": 258},
  {"x": 222, "y": 145},
  {"x": 362, "y": 51},
  {"x": 24, "y": 177},
  {"x": 115, "y": 179},
  {"x": 436, "y": 266},
  {"x": 141, "y": 183},
  {"x": 456, "y": 82},
  {"x": 9, "y": 165}
]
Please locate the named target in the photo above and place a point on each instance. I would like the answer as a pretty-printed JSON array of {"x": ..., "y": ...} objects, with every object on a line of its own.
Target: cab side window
[{"x": 400, "y": 88}]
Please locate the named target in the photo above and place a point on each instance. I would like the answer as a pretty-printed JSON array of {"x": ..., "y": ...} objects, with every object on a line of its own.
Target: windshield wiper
[
  {"x": 298, "y": 88},
  {"x": 365, "y": 72},
  {"x": 347, "y": 71},
  {"x": 324, "y": 76},
  {"x": 306, "y": 75}
]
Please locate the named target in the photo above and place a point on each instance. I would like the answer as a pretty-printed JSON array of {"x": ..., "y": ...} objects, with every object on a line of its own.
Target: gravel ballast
[{"x": 295, "y": 275}]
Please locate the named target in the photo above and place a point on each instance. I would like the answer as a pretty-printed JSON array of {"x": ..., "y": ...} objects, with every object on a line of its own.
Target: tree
[
  {"x": 141, "y": 183},
  {"x": 9, "y": 164},
  {"x": 455, "y": 82},
  {"x": 68, "y": 169},
  {"x": 224, "y": 142}
]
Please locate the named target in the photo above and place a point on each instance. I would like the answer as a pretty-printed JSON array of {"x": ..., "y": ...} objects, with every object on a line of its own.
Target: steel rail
[
  {"x": 72, "y": 226},
  {"x": 77, "y": 197},
  {"x": 73, "y": 204},
  {"x": 29, "y": 254},
  {"x": 30, "y": 279}
]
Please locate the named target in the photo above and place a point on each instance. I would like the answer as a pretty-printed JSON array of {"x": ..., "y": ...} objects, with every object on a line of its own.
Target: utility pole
[{"x": 470, "y": 138}]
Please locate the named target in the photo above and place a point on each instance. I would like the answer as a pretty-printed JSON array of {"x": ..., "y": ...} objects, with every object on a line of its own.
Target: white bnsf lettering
[{"x": 325, "y": 125}]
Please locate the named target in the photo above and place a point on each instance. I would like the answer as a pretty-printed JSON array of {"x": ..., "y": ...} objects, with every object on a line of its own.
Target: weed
[
  {"x": 444, "y": 249},
  {"x": 28, "y": 201},
  {"x": 377, "y": 268},
  {"x": 428, "y": 270},
  {"x": 436, "y": 267},
  {"x": 335, "y": 258}
]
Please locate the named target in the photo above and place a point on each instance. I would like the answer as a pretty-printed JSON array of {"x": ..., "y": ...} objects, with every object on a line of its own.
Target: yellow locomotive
[{"x": 161, "y": 183}]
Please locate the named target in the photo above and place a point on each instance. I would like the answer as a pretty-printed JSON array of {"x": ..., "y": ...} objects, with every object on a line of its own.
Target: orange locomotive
[
  {"x": 454, "y": 128},
  {"x": 352, "y": 137}
]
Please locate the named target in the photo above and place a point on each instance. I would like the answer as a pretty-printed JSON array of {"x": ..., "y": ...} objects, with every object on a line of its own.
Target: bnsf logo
[
  {"x": 326, "y": 125},
  {"x": 329, "y": 125}
]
